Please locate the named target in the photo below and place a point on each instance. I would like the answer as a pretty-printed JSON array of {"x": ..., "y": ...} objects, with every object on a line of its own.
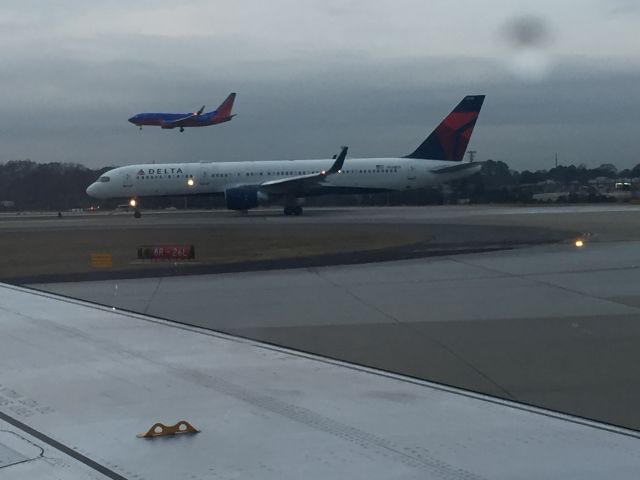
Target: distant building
[{"x": 603, "y": 183}]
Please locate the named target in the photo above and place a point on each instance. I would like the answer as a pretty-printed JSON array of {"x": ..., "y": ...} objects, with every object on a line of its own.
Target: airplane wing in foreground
[
  {"x": 72, "y": 406},
  {"x": 304, "y": 183}
]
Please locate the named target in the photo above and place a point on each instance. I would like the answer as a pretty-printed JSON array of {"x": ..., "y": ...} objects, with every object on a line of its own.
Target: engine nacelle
[{"x": 244, "y": 198}]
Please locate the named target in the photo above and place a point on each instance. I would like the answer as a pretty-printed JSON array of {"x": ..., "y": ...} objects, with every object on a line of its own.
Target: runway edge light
[{"x": 581, "y": 241}]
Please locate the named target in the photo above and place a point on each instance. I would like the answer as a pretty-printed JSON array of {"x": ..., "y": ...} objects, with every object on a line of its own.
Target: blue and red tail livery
[
  {"x": 450, "y": 139},
  {"x": 184, "y": 120}
]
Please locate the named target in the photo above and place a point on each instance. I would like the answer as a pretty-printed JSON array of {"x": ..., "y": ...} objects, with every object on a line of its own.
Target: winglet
[
  {"x": 337, "y": 165},
  {"x": 199, "y": 112}
]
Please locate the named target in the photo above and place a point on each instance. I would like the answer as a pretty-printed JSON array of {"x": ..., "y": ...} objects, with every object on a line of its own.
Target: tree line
[
  {"x": 45, "y": 186},
  {"x": 27, "y": 185}
]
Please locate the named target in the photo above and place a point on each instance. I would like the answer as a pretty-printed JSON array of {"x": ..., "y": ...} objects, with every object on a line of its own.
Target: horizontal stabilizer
[{"x": 457, "y": 168}]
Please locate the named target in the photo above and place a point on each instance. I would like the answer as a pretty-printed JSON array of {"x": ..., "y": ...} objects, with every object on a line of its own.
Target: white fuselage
[{"x": 357, "y": 176}]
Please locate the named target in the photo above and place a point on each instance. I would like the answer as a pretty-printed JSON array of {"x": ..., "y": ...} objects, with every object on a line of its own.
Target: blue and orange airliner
[{"x": 183, "y": 120}]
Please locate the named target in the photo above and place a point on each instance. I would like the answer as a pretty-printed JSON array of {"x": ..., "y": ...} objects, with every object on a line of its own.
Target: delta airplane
[
  {"x": 247, "y": 185},
  {"x": 183, "y": 120}
]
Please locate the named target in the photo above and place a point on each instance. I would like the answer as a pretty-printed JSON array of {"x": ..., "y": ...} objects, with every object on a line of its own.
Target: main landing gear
[
  {"x": 182, "y": 129},
  {"x": 296, "y": 210}
]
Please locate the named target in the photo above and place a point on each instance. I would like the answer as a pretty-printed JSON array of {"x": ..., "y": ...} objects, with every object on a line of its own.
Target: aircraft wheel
[
  {"x": 295, "y": 210},
  {"x": 181, "y": 129},
  {"x": 137, "y": 214}
]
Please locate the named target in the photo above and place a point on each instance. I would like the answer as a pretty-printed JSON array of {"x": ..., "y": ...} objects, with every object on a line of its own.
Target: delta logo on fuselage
[{"x": 159, "y": 171}]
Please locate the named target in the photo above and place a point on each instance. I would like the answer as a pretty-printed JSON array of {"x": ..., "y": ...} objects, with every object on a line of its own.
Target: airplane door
[
  {"x": 204, "y": 177},
  {"x": 126, "y": 181},
  {"x": 411, "y": 176}
]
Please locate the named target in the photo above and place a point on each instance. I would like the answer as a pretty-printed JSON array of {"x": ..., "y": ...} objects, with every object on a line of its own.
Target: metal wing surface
[{"x": 301, "y": 184}]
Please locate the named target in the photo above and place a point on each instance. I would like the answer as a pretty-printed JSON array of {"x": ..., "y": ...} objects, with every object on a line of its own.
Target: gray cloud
[
  {"x": 622, "y": 7},
  {"x": 68, "y": 99}
]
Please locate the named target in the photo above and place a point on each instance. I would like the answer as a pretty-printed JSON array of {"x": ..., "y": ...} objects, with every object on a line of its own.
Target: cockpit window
[{"x": 104, "y": 179}]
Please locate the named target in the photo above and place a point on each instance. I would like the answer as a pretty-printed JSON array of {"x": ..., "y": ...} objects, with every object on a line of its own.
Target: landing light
[
  {"x": 323, "y": 172},
  {"x": 133, "y": 202},
  {"x": 190, "y": 182},
  {"x": 579, "y": 243}
]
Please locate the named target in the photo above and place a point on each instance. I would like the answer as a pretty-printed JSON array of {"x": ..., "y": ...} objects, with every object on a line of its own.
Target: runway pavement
[
  {"x": 41, "y": 248},
  {"x": 549, "y": 324}
]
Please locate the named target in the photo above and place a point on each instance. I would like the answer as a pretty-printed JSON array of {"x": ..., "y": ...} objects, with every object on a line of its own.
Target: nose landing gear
[{"x": 133, "y": 203}]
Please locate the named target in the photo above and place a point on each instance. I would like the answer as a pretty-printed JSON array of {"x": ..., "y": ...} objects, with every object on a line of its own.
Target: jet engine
[{"x": 244, "y": 198}]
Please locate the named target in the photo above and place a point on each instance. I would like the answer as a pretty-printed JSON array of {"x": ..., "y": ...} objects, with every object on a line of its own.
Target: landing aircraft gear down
[{"x": 295, "y": 210}]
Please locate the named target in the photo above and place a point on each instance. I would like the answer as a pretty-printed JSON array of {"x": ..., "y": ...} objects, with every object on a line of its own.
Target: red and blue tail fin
[
  {"x": 450, "y": 139},
  {"x": 224, "y": 110}
]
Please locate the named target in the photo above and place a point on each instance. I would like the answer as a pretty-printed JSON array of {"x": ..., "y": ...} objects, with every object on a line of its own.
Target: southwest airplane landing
[{"x": 199, "y": 118}]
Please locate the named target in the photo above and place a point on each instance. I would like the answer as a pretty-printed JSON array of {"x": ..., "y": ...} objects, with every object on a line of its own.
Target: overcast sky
[{"x": 560, "y": 76}]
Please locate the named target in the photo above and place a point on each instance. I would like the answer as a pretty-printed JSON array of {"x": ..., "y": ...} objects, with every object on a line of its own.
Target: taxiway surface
[
  {"x": 41, "y": 248},
  {"x": 546, "y": 324}
]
